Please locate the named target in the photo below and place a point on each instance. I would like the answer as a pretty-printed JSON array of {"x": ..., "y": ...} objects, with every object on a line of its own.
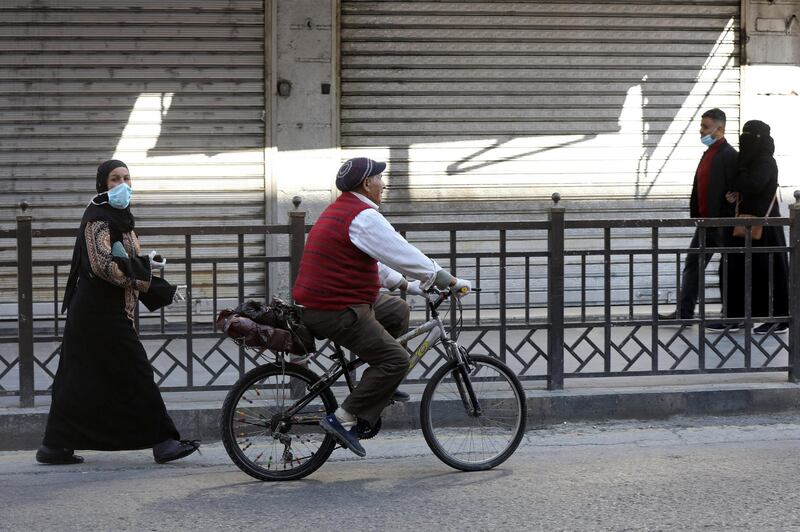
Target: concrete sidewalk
[{"x": 610, "y": 398}]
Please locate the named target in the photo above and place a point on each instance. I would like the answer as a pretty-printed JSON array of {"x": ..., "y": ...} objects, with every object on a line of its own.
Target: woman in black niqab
[
  {"x": 757, "y": 185},
  {"x": 104, "y": 396}
]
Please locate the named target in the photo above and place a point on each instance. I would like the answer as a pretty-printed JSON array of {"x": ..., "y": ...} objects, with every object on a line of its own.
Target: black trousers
[{"x": 690, "y": 284}]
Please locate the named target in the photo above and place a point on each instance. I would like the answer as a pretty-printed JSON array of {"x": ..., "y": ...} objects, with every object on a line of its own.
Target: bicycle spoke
[
  {"x": 475, "y": 441},
  {"x": 486, "y": 421},
  {"x": 266, "y": 443}
]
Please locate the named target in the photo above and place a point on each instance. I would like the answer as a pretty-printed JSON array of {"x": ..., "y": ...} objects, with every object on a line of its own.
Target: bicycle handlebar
[{"x": 443, "y": 295}]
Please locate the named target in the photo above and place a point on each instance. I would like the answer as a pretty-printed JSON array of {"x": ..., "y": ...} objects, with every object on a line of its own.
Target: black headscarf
[
  {"x": 755, "y": 141},
  {"x": 119, "y": 220},
  {"x": 102, "y": 173}
]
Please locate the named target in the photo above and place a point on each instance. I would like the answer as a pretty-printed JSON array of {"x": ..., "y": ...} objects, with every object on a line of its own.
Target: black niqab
[{"x": 755, "y": 141}]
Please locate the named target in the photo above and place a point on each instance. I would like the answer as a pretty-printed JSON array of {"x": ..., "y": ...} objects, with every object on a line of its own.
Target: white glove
[
  {"x": 414, "y": 289},
  {"x": 461, "y": 288},
  {"x": 180, "y": 294},
  {"x": 154, "y": 264}
]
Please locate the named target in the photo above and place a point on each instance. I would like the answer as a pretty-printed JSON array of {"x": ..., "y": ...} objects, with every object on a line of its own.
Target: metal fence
[{"x": 523, "y": 315}]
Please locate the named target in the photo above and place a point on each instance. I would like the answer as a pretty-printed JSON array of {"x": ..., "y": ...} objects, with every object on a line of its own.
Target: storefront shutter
[
  {"x": 175, "y": 88},
  {"x": 484, "y": 109}
]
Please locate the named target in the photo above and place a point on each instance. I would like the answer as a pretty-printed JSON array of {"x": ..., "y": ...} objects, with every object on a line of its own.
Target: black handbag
[{"x": 160, "y": 294}]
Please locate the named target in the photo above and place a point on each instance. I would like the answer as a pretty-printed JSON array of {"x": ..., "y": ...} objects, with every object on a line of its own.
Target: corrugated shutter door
[
  {"x": 484, "y": 109},
  {"x": 175, "y": 88}
]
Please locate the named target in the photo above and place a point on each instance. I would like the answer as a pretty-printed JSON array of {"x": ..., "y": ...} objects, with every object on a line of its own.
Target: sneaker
[
  {"x": 170, "y": 450},
  {"x": 348, "y": 438},
  {"x": 57, "y": 456},
  {"x": 775, "y": 328},
  {"x": 723, "y": 327}
]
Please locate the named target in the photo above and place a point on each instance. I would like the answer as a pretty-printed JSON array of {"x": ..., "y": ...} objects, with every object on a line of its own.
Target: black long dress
[
  {"x": 757, "y": 184},
  {"x": 104, "y": 396}
]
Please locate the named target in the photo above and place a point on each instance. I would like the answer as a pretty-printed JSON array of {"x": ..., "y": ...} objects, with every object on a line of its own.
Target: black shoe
[
  {"x": 399, "y": 396},
  {"x": 723, "y": 327},
  {"x": 57, "y": 456},
  {"x": 776, "y": 328},
  {"x": 170, "y": 450},
  {"x": 674, "y": 316}
]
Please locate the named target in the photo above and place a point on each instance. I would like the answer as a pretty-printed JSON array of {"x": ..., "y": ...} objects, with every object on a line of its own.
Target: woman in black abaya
[
  {"x": 104, "y": 395},
  {"x": 756, "y": 185}
]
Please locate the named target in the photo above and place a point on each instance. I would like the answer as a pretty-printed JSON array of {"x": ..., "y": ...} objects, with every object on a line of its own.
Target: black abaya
[
  {"x": 104, "y": 395},
  {"x": 757, "y": 184}
]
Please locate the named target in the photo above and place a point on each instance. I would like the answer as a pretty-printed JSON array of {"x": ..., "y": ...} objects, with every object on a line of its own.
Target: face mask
[
  {"x": 708, "y": 140},
  {"x": 119, "y": 197}
]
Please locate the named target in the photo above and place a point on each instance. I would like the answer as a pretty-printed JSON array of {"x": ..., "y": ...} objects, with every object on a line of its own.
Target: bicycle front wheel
[
  {"x": 463, "y": 436},
  {"x": 259, "y": 436}
]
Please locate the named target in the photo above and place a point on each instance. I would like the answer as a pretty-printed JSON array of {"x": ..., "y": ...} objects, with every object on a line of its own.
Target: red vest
[{"x": 334, "y": 273}]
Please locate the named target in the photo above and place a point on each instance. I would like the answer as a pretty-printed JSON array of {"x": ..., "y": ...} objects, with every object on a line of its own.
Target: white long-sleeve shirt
[{"x": 374, "y": 235}]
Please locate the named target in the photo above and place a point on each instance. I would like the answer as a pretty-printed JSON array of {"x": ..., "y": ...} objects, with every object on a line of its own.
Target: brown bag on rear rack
[{"x": 248, "y": 333}]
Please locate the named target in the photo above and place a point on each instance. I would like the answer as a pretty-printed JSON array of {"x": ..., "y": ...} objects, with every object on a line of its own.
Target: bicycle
[{"x": 472, "y": 413}]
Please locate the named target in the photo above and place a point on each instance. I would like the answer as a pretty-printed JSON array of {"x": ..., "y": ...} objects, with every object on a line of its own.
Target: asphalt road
[{"x": 684, "y": 474}]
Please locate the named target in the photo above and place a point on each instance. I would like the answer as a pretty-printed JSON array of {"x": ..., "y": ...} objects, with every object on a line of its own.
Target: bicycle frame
[{"x": 436, "y": 332}]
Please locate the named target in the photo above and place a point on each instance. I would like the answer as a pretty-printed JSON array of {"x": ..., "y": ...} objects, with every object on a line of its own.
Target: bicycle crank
[{"x": 366, "y": 431}]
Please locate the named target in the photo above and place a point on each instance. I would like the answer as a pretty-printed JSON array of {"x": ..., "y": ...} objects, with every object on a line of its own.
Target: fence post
[
  {"x": 297, "y": 243},
  {"x": 555, "y": 296},
  {"x": 25, "y": 307},
  {"x": 297, "y": 239},
  {"x": 794, "y": 298}
]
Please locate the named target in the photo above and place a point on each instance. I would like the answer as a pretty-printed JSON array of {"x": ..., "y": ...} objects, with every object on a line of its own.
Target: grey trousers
[{"x": 369, "y": 331}]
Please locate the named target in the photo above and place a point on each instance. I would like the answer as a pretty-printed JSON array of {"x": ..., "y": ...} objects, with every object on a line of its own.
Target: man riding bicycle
[{"x": 351, "y": 252}]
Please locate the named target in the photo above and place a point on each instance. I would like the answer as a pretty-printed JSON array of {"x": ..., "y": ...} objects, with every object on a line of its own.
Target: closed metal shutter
[
  {"x": 175, "y": 88},
  {"x": 484, "y": 109}
]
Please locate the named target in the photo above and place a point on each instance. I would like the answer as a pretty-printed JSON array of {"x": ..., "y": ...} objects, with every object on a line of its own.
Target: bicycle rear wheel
[
  {"x": 473, "y": 441},
  {"x": 260, "y": 439}
]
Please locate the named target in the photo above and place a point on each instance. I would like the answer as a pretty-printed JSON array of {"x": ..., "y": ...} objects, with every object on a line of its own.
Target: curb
[{"x": 23, "y": 428}]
